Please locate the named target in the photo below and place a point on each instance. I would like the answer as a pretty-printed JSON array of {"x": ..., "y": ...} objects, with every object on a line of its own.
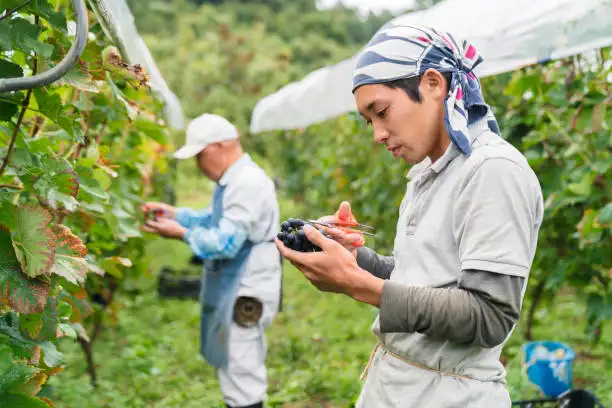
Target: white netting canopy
[
  {"x": 118, "y": 22},
  {"x": 509, "y": 34}
]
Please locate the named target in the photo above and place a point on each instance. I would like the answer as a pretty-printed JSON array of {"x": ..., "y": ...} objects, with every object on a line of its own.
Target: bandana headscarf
[{"x": 404, "y": 51}]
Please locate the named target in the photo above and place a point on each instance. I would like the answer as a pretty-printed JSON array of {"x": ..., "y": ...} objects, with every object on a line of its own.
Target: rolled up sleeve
[
  {"x": 190, "y": 218},
  {"x": 221, "y": 242}
]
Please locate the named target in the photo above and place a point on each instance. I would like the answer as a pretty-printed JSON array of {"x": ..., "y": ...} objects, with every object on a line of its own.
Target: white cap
[{"x": 204, "y": 130}]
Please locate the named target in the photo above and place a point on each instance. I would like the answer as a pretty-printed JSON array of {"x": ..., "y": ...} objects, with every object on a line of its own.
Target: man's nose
[{"x": 380, "y": 134}]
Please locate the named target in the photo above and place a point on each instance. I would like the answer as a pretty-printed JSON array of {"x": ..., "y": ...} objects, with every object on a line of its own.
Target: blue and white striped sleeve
[
  {"x": 190, "y": 218},
  {"x": 221, "y": 242}
]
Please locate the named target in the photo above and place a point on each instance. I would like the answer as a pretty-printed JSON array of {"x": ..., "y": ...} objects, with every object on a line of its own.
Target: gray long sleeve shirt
[{"x": 480, "y": 308}]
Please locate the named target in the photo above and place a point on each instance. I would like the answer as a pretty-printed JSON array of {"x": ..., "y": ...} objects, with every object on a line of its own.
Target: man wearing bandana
[{"x": 450, "y": 295}]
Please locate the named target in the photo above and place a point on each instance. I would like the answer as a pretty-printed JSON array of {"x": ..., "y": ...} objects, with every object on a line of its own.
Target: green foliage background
[
  {"x": 224, "y": 58},
  {"x": 91, "y": 148},
  {"x": 77, "y": 158}
]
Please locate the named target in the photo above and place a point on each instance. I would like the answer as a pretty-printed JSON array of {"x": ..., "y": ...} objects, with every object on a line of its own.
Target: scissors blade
[
  {"x": 334, "y": 225},
  {"x": 341, "y": 224}
]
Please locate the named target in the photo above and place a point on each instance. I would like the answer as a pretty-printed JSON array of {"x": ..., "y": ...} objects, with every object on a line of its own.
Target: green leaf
[
  {"x": 604, "y": 217},
  {"x": 9, "y": 69},
  {"x": 9, "y": 104},
  {"x": 80, "y": 79},
  {"x": 588, "y": 229},
  {"x": 59, "y": 189},
  {"x": 10, "y": 4},
  {"x": 111, "y": 265},
  {"x": 49, "y": 104},
  {"x": 102, "y": 178},
  {"x": 43, "y": 325},
  {"x": 584, "y": 186},
  {"x": 70, "y": 254},
  {"x": 130, "y": 108},
  {"x": 10, "y": 327},
  {"x": 77, "y": 299},
  {"x": 20, "y": 34},
  {"x": 17, "y": 290},
  {"x": 33, "y": 240},
  {"x": 50, "y": 355},
  {"x": 21, "y": 401},
  {"x": 7, "y": 111},
  {"x": 151, "y": 129},
  {"x": 68, "y": 330},
  {"x": 46, "y": 11},
  {"x": 12, "y": 373},
  {"x": 7, "y": 215}
]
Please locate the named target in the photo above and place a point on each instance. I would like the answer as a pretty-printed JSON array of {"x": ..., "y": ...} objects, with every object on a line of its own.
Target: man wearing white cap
[{"x": 242, "y": 270}]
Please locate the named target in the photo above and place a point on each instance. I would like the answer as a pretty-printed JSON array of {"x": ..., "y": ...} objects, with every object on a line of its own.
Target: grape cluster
[{"x": 294, "y": 237}]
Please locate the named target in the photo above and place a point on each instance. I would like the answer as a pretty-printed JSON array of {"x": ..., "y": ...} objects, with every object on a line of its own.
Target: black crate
[{"x": 571, "y": 399}]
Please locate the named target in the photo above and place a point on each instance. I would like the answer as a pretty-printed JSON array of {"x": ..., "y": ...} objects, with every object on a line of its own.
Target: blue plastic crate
[{"x": 553, "y": 375}]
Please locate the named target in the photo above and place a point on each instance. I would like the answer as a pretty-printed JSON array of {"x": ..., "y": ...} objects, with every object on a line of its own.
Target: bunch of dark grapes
[{"x": 294, "y": 237}]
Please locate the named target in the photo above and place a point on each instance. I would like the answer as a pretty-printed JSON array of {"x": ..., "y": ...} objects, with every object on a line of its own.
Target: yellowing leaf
[
  {"x": 24, "y": 294},
  {"x": 70, "y": 254},
  {"x": 35, "y": 384},
  {"x": 33, "y": 240}
]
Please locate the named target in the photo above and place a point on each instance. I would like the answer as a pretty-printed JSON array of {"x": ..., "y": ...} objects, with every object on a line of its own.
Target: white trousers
[{"x": 244, "y": 380}]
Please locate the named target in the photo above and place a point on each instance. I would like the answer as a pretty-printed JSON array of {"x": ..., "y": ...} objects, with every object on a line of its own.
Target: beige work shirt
[{"x": 476, "y": 212}]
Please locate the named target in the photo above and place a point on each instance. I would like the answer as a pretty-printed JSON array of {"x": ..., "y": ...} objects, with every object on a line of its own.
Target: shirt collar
[
  {"x": 233, "y": 169},
  {"x": 450, "y": 153}
]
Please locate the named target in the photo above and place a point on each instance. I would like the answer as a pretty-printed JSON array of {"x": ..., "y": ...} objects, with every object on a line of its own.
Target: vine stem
[
  {"x": 16, "y": 9},
  {"x": 24, "y": 108}
]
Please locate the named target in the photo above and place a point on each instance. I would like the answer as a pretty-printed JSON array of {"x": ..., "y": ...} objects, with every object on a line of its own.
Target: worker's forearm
[
  {"x": 378, "y": 265},
  {"x": 481, "y": 310}
]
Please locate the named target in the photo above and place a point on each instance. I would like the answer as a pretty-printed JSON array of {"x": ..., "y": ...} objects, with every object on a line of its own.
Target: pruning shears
[{"x": 348, "y": 227}]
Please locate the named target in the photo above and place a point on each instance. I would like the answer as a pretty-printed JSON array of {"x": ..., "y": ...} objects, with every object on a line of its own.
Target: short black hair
[{"x": 411, "y": 85}]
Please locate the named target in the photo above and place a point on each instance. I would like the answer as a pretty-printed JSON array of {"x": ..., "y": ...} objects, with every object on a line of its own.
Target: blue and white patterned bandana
[{"x": 404, "y": 51}]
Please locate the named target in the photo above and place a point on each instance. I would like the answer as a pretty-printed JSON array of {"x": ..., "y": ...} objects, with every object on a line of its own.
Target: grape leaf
[
  {"x": 151, "y": 129},
  {"x": 59, "y": 190},
  {"x": 12, "y": 373},
  {"x": 21, "y": 401},
  {"x": 7, "y": 111},
  {"x": 589, "y": 231},
  {"x": 20, "y": 34},
  {"x": 10, "y": 4},
  {"x": 605, "y": 215},
  {"x": 10, "y": 327},
  {"x": 34, "y": 241},
  {"x": 80, "y": 79},
  {"x": 70, "y": 254},
  {"x": 81, "y": 309},
  {"x": 7, "y": 215},
  {"x": 42, "y": 325},
  {"x": 9, "y": 69},
  {"x": 51, "y": 357},
  {"x": 50, "y": 104},
  {"x": 22, "y": 293},
  {"x": 46, "y": 11},
  {"x": 34, "y": 385}
]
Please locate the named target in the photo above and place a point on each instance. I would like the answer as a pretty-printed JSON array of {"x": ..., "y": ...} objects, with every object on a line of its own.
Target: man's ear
[{"x": 433, "y": 84}]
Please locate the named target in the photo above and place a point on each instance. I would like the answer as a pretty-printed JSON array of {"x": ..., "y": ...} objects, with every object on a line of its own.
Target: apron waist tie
[{"x": 364, "y": 374}]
